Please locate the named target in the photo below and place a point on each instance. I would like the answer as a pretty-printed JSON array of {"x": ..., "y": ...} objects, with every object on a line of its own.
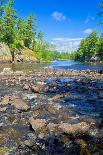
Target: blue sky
[{"x": 62, "y": 19}]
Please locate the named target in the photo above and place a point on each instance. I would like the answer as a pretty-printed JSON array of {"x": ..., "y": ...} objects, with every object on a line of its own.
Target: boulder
[
  {"x": 37, "y": 124},
  {"x": 82, "y": 127},
  {"x": 5, "y": 100},
  {"x": 7, "y": 71},
  {"x": 20, "y": 104},
  {"x": 38, "y": 87},
  {"x": 52, "y": 128},
  {"x": 26, "y": 87}
]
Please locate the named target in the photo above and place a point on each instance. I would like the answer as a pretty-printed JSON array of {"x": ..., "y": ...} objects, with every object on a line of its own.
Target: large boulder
[
  {"x": 82, "y": 127},
  {"x": 20, "y": 104},
  {"x": 37, "y": 124},
  {"x": 5, "y": 54}
]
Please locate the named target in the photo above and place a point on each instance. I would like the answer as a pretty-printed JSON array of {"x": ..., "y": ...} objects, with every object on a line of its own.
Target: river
[
  {"x": 81, "y": 105},
  {"x": 57, "y": 64}
]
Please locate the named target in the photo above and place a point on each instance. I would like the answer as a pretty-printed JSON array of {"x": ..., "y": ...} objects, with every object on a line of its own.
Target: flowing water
[
  {"x": 84, "y": 105},
  {"x": 58, "y": 64}
]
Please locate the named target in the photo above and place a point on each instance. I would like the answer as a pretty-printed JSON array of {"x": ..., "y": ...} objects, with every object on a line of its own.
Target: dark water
[{"x": 70, "y": 64}]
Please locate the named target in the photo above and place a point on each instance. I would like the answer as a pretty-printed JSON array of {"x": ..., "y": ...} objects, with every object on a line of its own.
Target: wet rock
[
  {"x": 56, "y": 97},
  {"x": 20, "y": 104},
  {"x": 38, "y": 124},
  {"x": 82, "y": 127},
  {"x": 35, "y": 89},
  {"x": 52, "y": 128},
  {"x": 5, "y": 101},
  {"x": 38, "y": 87},
  {"x": 9, "y": 136}
]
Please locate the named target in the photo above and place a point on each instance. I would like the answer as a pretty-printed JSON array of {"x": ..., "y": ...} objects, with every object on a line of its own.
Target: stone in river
[
  {"x": 37, "y": 124},
  {"x": 26, "y": 87},
  {"x": 82, "y": 127},
  {"x": 38, "y": 87},
  {"x": 20, "y": 104},
  {"x": 5, "y": 100}
]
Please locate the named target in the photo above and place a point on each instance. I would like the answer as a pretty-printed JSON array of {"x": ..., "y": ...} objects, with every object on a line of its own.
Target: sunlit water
[
  {"x": 81, "y": 107},
  {"x": 70, "y": 64},
  {"x": 58, "y": 64}
]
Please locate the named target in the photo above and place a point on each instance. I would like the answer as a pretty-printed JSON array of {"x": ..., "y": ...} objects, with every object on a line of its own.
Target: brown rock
[
  {"x": 75, "y": 128},
  {"x": 5, "y": 100},
  {"x": 26, "y": 87},
  {"x": 38, "y": 87},
  {"x": 52, "y": 127},
  {"x": 20, "y": 104},
  {"x": 9, "y": 134},
  {"x": 38, "y": 124},
  {"x": 35, "y": 89}
]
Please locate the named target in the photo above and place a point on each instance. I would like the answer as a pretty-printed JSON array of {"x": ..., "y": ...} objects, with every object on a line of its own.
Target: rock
[
  {"x": 5, "y": 100},
  {"x": 82, "y": 127},
  {"x": 37, "y": 124},
  {"x": 7, "y": 71},
  {"x": 26, "y": 87},
  {"x": 56, "y": 97},
  {"x": 18, "y": 73},
  {"x": 3, "y": 109},
  {"x": 84, "y": 148},
  {"x": 20, "y": 104},
  {"x": 52, "y": 128},
  {"x": 35, "y": 89},
  {"x": 9, "y": 136},
  {"x": 28, "y": 143},
  {"x": 38, "y": 87}
]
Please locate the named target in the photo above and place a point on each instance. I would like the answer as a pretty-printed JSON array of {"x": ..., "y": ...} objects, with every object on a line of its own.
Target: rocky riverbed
[{"x": 51, "y": 112}]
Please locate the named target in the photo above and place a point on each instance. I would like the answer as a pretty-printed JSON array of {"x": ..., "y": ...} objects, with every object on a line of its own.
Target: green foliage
[
  {"x": 19, "y": 33},
  {"x": 89, "y": 47}
]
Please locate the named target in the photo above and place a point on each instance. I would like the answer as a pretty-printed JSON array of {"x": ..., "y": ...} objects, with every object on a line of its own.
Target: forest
[{"x": 19, "y": 33}]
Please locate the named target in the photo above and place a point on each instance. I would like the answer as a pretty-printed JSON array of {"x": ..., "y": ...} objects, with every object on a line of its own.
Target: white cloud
[
  {"x": 88, "y": 31},
  {"x": 89, "y": 19},
  {"x": 58, "y": 16},
  {"x": 66, "y": 44}
]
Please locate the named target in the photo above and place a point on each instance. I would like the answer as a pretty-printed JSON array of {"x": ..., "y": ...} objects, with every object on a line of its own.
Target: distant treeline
[{"x": 90, "y": 48}]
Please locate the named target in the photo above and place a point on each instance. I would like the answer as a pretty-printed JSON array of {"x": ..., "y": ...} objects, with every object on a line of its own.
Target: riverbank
[{"x": 51, "y": 112}]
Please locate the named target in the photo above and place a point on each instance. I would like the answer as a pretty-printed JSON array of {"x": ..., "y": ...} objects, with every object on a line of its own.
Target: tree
[
  {"x": 89, "y": 47},
  {"x": 8, "y": 27},
  {"x": 17, "y": 33}
]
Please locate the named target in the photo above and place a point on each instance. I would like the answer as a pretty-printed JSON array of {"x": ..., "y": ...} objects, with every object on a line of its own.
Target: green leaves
[{"x": 89, "y": 47}]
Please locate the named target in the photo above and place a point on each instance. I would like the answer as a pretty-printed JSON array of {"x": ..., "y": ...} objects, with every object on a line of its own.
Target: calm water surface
[{"x": 64, "y": 64}]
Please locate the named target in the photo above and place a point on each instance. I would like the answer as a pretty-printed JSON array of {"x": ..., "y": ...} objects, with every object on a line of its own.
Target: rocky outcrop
[
  {"x": 5, "y": 55},
  {"x": 82, "y": 127},
  {"x": 24, "y": 55}
]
